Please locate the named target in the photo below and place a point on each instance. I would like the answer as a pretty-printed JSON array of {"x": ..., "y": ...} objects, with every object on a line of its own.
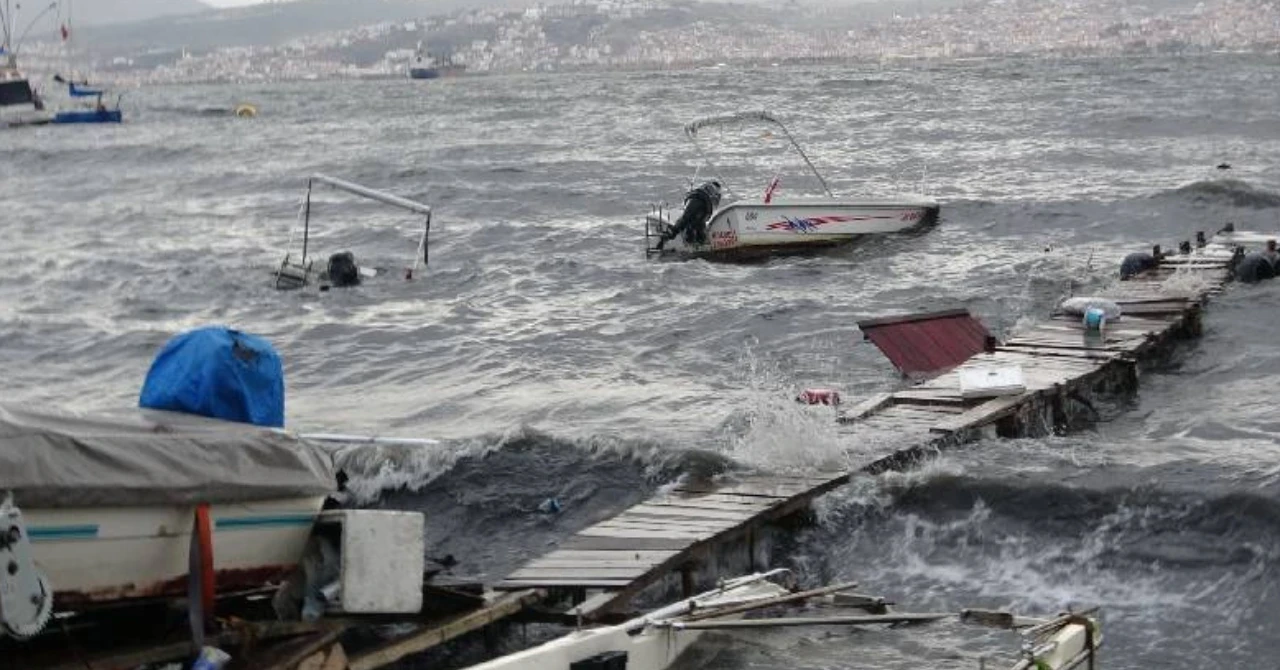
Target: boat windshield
[{"x": 16, "y": 93}]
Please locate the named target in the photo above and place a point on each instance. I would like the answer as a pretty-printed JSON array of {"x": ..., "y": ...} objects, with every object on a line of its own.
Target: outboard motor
[
  {"x": 343, "y": 270},
  {"x": 699, "y": 204}
]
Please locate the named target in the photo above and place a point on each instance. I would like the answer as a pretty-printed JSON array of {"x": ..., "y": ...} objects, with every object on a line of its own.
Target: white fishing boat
[
  {"x": 114, "y": 504},
  {"x": 20, "y": 104},
  {"x": 714, "y": 224},
  {"x": 341, "y": 269}
]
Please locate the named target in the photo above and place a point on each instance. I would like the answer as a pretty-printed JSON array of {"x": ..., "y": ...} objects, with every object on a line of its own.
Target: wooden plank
[
  {"x": 627, "y": 521},
  {"x": 577, "y": 572},
  {"x": 647, "y": 556},
  {"x": 719, "y": 497},
  {"x": 920, "y": 411},
  {"x": 692, "y": 512},
  {"x": 868, "y": 406},
  {"x": 710, "y": 501},
  {"x": 953, "y": 405},
  {"x": 1100, "y": 355},
  {"x": 513, "y": 584},
  {"x": 597, "y": 531},
  {"x": 782, "y": 490},
  {"x": 632, "y": 522},
  {"x": 981, "y": 415},
  {"x": 939, "y": 396},
  {"x": 625, "y": 544},
  {"x": 419, "y": 641},
  {"x": 553, "y": 563}
]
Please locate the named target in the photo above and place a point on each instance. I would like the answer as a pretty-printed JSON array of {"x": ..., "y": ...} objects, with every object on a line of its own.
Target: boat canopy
[
  {"x": 78, "y": 92},
  {"x": 732, "y": 119},
  {"x": 757, "y": 116},
  {"x": 52, "y": 458},
  {"x": 295, "y": 274}
]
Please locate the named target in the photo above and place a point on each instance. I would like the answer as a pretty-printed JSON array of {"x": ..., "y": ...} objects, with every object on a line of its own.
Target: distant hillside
[
  {"x": 272, "y": 23},
  {"x": 126, "y": 11}
]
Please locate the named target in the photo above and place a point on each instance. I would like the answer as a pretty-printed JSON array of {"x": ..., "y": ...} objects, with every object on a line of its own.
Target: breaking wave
[{"x": 1234, "y": 192}]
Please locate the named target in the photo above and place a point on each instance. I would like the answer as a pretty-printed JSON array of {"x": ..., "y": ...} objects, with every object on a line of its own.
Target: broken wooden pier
[{"x": 681, "y": 530}]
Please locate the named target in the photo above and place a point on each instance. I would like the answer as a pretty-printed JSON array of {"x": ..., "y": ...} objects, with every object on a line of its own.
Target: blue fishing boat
[{"x": 95, "y": 112}]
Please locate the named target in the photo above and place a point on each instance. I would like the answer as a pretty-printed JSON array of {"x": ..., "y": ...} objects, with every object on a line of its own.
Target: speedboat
[{"x": 712, "y": 225}]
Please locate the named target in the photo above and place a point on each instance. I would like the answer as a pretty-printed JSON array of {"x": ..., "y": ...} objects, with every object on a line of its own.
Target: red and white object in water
[{"x": 819, "y": 397}]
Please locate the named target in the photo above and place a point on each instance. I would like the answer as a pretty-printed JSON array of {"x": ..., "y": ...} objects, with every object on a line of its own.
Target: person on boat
[{"x": 698, "y": 207}]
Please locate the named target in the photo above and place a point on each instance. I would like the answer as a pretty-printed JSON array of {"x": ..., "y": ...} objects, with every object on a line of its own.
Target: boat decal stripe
[
  {"x": 813, "y": 222},
  {"x": 76, "y": 532},
  {"x": 228, "y": 523}
]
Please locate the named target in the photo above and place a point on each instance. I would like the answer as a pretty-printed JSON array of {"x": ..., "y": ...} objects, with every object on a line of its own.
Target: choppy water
[{"x": 556, "y": 361}]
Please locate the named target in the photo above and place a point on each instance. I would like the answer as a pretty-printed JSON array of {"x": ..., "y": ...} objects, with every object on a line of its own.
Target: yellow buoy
[{"x": 245, "y": 110}]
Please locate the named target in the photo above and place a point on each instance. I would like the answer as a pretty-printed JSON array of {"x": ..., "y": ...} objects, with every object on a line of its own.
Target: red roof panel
[{"x": 927, "y": 344}]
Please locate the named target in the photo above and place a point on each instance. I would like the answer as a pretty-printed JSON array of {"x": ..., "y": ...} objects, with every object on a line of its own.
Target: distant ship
[{"x": 424, "y": 66}]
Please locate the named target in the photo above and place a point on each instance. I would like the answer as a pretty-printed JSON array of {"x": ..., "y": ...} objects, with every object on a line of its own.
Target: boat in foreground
[
  {"x": 714, "y": 226},
  {"x": 112, "y": 502},
  {"x": 656, "y": 640}
]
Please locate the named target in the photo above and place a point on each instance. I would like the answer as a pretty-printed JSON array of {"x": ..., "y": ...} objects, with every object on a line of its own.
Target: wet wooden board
[
  {"x": 579, "y": 572},
  {"x": 982, "y": 414},
  {"x": 623, "y": 544}
]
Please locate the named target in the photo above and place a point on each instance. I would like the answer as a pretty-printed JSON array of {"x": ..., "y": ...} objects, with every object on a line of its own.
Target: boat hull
[
  {"x": 647, "y": 647},
  {"x": 424, "y": 73},
  {"x": 14, "y": 116},
  {"x": 89, "y": 116},
  {"x": 100, "y": 555},
  {"x": 747, "y": 229}
]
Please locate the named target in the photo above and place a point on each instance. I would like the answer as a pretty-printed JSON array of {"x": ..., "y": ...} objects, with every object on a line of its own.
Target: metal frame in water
[{"x": 297, "y": 275}]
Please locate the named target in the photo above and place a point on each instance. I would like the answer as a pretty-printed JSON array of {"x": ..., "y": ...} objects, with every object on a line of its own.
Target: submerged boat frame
[
  {"x": 297, "y": 274},
  {"x": 754, "y": 227},
  {"x": 656, "y": 640}
]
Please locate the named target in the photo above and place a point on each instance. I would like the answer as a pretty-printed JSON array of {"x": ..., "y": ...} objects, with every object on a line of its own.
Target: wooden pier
[
  {"x": 676, "y": 536},
  {"x": 680, "y": 530}
]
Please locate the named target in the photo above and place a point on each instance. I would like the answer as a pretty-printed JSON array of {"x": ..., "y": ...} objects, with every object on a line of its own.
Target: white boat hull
[
  {"x": 13, "y": 116},
  {"x": 92, "y": 555},
  {"x": 747, "y": 228},
  {"x": 647, "y": 647}
]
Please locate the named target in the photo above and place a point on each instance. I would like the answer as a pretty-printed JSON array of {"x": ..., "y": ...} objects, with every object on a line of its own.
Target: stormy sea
[{"x": 552, "y": 360}]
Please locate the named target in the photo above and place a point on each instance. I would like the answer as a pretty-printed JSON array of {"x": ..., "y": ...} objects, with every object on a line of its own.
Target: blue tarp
[{"x": 220, "y": 373}]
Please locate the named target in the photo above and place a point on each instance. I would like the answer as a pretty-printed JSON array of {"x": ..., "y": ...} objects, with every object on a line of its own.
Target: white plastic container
[
  {"x": 991, "y": 382},
  {"x": 382, "y": 560}
]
